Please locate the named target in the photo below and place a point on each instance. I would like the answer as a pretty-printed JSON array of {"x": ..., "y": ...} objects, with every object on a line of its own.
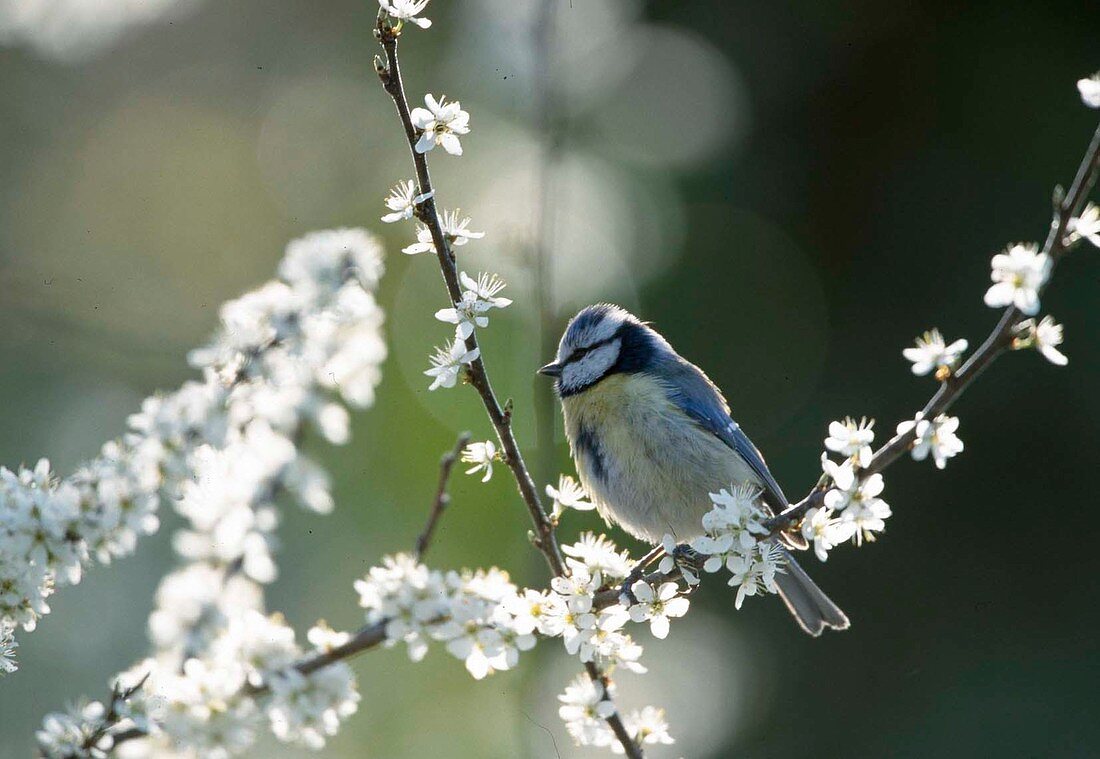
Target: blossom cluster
[
  {"x": 1019, "y": 274},
  {"x": 852, "y": 507},
  {"x": 51, "y": 529},
  {"x": 736, "y": 539},
  {"x": 585, "y": 706},
  {"x": 291, "y": 355},
  {"x": 216, "y": 703},
  {"x": 485, "y": 620},
  {"x": 288, "y": 353}
]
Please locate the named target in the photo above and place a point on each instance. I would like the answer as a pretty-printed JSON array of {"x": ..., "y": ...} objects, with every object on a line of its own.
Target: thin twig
[
  {"x": 630, "y": 746},
  {"x": 442, "y": 499},
  {"x": 543, "y": 538},
  {"x": 1067, "y": 207},
  {"x": 389, "y": 72}
]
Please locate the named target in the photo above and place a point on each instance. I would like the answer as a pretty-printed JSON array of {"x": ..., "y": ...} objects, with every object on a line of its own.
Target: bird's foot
[
  {"x": 626, "y": 588},
  {"x": 687, "y": 560}
]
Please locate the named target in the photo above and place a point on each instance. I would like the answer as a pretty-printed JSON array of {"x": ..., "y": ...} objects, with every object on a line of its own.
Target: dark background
[{"x": 790, "y": 191}]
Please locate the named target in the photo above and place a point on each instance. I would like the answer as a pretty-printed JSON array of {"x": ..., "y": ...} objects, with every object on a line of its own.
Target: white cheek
[{"x": 593, "y": 366}]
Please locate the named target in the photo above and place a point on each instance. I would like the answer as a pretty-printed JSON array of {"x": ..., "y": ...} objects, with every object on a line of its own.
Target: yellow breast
[{"x": 645, "y": 463}]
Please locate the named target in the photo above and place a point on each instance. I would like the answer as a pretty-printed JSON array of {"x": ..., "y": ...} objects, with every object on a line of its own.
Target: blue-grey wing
[{"x": 694, "y": 394}]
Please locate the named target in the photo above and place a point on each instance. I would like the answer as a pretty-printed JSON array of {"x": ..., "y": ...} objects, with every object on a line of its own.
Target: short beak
[{"x": 551, "y": 370}]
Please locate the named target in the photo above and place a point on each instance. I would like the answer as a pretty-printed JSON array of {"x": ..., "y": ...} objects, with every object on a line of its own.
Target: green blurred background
[{"x": 790, "y": 191}]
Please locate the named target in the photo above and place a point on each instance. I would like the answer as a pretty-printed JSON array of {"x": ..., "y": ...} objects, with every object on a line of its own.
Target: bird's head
[{"x": 600, "y": 341}]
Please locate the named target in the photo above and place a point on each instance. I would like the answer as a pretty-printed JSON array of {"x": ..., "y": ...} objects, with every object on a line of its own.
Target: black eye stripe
[{"x": 580, "y": 353}]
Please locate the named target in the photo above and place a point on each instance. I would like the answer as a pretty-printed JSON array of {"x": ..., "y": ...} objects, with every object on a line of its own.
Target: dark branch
[
  {"x": 1067, "y": 207},
  {"x": 389, "y": 72},
  {"x": 442, "y": 499},
  {"x": 544, "y": 538}
]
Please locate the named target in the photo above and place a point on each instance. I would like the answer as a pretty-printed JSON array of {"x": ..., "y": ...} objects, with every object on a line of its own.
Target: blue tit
[{"x": 652, "y": 436}]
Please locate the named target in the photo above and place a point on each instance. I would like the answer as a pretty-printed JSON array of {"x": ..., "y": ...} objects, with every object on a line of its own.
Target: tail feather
[{"x": 808, "y": 604}]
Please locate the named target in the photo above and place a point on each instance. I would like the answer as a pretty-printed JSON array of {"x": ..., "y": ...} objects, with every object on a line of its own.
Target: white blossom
[
  {"x": 440, "y": 124},
  {"x": 866, "y": 517},
  {"x": 7, "y": 650},
  {"x": 932, "y": 353},
  {"x": 824, "y": 531},
  {"x": 65, "y": 734},
  {"x": 936, "y": 437},
  {"x": 1018, "y": 275},
  {"x": 606, "y": 644},
  {"x": 479, "y": 616},
  {"x": 481, "y": 455},
  {"x": 1089, "y": 87},
  {"x": 646, "y": 726},
  {"x": 852, "y": 439},
  {"x": 448, "y": 361},
  {"x": 578, "y": 586},
  {"x": 323, "y": 638},
  {"x": 1048, "y": 336},
  {"x": 862, "y": 511},
  {"x": 733, "y": 540},
  {"x": 225, "y": 448},
  {"x": 423, "y": 244},
  {"x": 600, "y": 555},
  {"x": 477, "y": 299},
  {"x": 406, "y": 10},
  {"x": 1086, "y": 226},
  {"x": 569, "y": 494},
  {"x": 308, "y": 709},
  {"x": 754, "y": 573},
  {"x": 403, "y": 200},
  {"x": 455, "y": 229},
  {"x": 585, "y": 707},
  {"x": 657, "y": 605},
  {"x": 536, "y": 611}
]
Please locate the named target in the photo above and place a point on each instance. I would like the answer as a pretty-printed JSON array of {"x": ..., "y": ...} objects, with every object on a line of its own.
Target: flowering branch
[
  {"x": 389, "y": 72},
  {"x": 229, "y": 446},
  {"x": 1067, "y": 207},
  {"x": 367, "y": 637},
  {"x": 544, "y": 537}
]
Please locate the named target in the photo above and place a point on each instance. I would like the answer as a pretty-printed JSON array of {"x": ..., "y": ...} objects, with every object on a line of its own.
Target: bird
[{"x": 651, "y": 437}]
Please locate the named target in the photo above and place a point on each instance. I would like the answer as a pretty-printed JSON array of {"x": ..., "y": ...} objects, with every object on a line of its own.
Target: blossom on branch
[
  {"x": 735, "y": 529},
  {"x": 403, "y": 201},
  {"x": 600, "y": 555},
  {"x": 646, "y": 726},
  {"x": 1086, "y": 226},
  {"x": 657, "y": 605},
  {"x": 1045, "y": 336},
  {"x": 585, "y": 705},
  {"x": 821, "y": 528},
  {"x": 1089, "y": 87},
  {"x": 481, "y": 455},
  {"x": 1018, "y": 275},
  {"x": 478, "y": 298},
  {"x": 406, "y": 10},
  {"x": 7, "y": 650},
  {"x": 455, "y": 228},
  {"x": 447, "y": 362},
  {"x": 569, "y": 494},
  {"x": 936, "y": 437},
  {"x": 933, "y": 353},
  {"x": 440, "y": 124},
  {"x": 857, "y": 500},
  {"x": 852, "y": 439},
  {"x": 75, "y": 733}
]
